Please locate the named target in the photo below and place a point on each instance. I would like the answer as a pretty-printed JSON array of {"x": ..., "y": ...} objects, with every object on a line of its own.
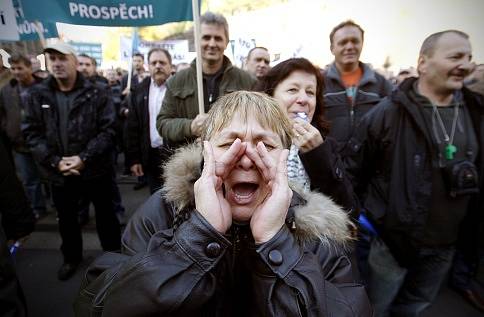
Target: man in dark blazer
[{"x": 145, "y": 150}]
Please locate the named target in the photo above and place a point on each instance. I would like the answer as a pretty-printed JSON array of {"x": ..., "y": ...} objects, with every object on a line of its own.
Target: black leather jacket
[
  {"x": 192, "y": 270},
  {"x": 90, "y": 129},
  {"x": 137, "y": 133},
  {"x": 390, "y": 163}
]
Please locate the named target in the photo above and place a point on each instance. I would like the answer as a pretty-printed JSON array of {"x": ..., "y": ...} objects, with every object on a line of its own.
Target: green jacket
[{"x": 180, "y": 105}]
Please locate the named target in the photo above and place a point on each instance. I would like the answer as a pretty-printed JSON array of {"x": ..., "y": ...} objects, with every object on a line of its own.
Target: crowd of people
[{"x": 299, "y": 191}]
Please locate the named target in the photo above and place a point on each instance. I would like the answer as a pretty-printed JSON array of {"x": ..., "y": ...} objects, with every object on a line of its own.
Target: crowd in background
[{"x": 400, "y": 158}]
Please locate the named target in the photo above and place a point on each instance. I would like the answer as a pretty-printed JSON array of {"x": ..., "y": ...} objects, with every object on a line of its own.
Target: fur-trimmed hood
[{"x": 315, "y": 216}]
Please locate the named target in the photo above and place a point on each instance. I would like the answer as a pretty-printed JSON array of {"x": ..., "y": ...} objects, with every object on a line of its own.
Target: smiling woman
[
  {"x": 314, "y": 162},
  {"x": 237, "y": 242}
]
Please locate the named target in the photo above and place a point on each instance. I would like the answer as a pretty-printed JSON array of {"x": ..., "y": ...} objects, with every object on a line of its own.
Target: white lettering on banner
[
  {"x": 73, "y": 8},
  {"x": 131, "y": 14},
  {"x": 83, "y": 11},
  {"x": 144, "y": 12},
  {"x": 31, "y": 28},
  {"x": 114, "y": 12},
  {"x": 105, "y": 13},
  {"x": 94, "y": 12},
  {"x": 123, "y": 11}
]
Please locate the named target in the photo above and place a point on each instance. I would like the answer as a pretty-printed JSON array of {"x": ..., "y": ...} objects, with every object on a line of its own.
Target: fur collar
[{"x": 316, "y": 216}]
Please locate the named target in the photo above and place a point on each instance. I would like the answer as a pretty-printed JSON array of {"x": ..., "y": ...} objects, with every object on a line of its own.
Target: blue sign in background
[
  {"x": 109, "y": 12},
  {"x": 28, "y": 29},
  {"x": 94, "y": 50}
]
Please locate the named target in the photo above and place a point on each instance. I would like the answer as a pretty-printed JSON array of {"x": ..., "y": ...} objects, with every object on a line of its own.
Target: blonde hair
[{"x": 263, "y": 108}]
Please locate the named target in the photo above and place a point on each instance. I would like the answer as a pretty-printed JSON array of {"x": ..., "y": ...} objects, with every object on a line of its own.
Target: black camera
[{"x": 461, "y": 178}]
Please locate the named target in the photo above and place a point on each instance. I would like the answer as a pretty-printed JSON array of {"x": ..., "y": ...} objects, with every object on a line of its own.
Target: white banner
[
  {"x": 178, "y": 49},
  {"x": 124, "y": 49},
  {"x": 8, "y": 22},
  {"x": 240, "y": 49}
]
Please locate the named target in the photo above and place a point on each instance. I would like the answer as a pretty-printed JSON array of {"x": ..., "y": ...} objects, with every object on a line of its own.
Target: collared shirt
[{"x": 156, "y": 95}]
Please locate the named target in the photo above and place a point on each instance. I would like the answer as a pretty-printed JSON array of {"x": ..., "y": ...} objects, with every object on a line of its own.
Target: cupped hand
[
  {"x": 209, "y": 198},
  {"x": 270, "y": 216},
  {"x": 306, "y": 137}
]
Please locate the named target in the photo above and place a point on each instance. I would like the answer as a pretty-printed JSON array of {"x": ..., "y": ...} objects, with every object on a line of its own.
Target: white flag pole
[{"x": 196, "y": 22}]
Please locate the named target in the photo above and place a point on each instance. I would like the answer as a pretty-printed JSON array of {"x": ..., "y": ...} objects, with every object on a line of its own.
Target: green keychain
[{"x": 450, "y": 150}]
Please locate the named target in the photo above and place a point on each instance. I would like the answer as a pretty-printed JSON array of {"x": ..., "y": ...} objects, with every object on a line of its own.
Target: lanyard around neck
[{"x": 450, "y": 148}]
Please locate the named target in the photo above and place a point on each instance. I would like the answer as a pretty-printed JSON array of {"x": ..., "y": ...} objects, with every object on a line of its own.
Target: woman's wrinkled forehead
[
  {"x": 239, "y": 122},
  {"x": 248, "y": 108},
  {"x": 251, "y": 132}
]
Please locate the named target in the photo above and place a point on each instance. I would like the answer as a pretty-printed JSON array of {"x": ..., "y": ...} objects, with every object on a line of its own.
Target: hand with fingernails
[
  {"x": 70, "y": 165},
  {"x": 269, "y": 216},
  {"x": 209, "y": 197},
  {"x": 307, "y": 137}
]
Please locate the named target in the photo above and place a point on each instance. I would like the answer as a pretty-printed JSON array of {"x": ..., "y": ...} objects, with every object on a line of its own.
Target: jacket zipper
[
  {"x": 236, "y": 246},
  {"x": 352, "y": 109}
]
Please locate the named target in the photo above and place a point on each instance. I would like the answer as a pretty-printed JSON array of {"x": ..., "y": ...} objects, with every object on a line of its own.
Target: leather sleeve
[
  {"x": 176, "y": 273},
  {"x": 171, "y": 126},
  {"x": 290, "y": 280},
  {"x": 106, "y": 117},
  {"x": 34, "y": 132},
  {"x": 173, "y": 275}
]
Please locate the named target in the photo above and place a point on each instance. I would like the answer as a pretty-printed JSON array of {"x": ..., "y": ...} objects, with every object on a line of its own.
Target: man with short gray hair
[
  {"x": 257, "y": 63},
  {"x": 179, "y": 121}
]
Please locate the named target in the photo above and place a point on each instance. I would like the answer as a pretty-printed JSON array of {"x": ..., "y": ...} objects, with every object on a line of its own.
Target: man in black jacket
[
  {"x": 12, "y": 97},
  {"x": 88, "y": 68},
  {"x": 351, "y": 87},
  {"x": 69, "y": 129},
  {"x": 145, "y": 151},
  {"x": 418, "y": 155}
]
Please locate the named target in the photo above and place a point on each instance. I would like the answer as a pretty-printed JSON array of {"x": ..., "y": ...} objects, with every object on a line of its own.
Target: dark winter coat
[
  {"x": 391, "y": 164},
  {"x": 193, "y": 270},
  {"x": 11, "y": 113},
  {"x": 180, "y": 105},
  {"x": 137, "y": 133},
  {"x": 343, "y": 115},
  {"x": 90, "y": 129}
]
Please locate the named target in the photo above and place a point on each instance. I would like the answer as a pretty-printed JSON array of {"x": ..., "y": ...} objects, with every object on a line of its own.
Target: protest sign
[
  {"x": 29, "y": 30},
  {"x": 8, "y": 24},
  {"x": 109, "y": 12}
]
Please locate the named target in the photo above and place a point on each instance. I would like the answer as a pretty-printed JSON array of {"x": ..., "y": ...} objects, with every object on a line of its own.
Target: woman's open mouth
[{"x": 243, "y": 193}]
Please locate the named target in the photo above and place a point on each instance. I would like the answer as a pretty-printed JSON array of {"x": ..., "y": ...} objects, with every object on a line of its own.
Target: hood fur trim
[
  {"x": 319, "y": 218},
  {"x": 180, "y": 174}
]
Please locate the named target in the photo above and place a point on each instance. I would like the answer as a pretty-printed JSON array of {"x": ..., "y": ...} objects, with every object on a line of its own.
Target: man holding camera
[{"x": 416, "y": 163}]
